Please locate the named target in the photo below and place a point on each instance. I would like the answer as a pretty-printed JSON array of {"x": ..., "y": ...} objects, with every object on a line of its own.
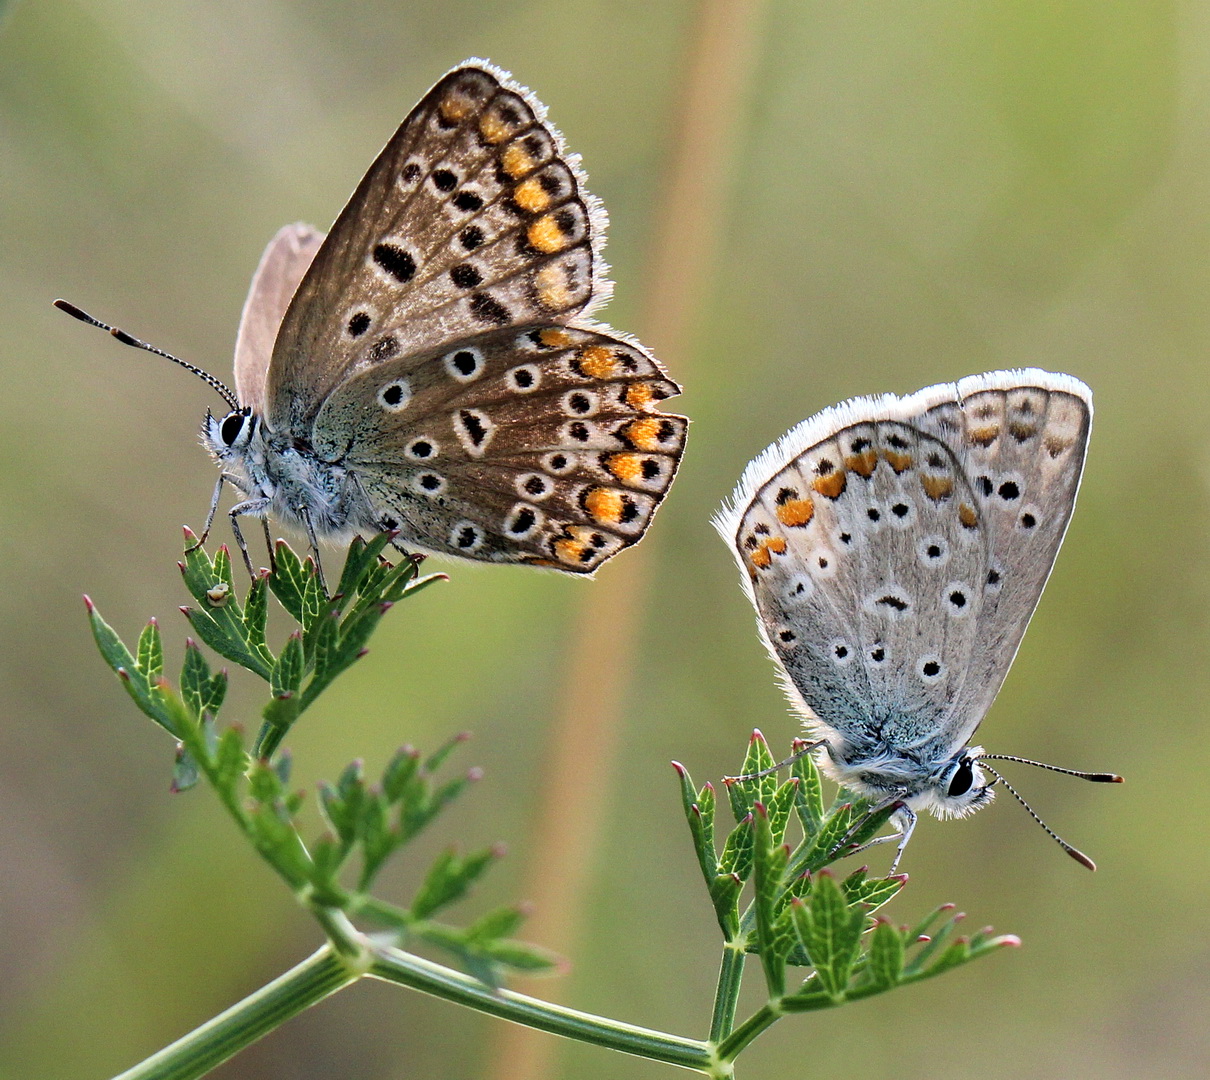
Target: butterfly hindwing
[
  {"x": 472, "y": 218},
  {"x": 860, "y": 554},
  {"x": 540, "y": 444}
]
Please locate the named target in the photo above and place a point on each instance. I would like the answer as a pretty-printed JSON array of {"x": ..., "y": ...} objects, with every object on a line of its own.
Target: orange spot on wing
[
  {"x": 762, "y": 557},
  {"x": 553, "y": 338},
  {"x": 937, "y": 488},
  {"x": 531, "y": 196},
  {"x": 968, "y": 516},
  {"x": 641, "y": 397},
  {"x": 455, "y": 107},
  {"x": 545, "y": 235},
  {"x": 863, "y": 464},
  {"x": 832, "y": 485},
  {"x": 985, "y": 436},
  {"x": 796, "y": 513},
  {"x": 897, "y": 461},
  {"x": 597, "y": 362},
  {"x": 516, "y": 160},
  {"x": 1021, "y": 431},
  {"x": 493, "y": 129},
  {"x": 604, "y": 505},
  {"x": 643, "y": 434}
]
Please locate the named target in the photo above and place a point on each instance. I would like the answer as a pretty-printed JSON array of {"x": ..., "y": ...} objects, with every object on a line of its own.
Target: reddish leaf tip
[
  {"x": 474, "y": 773},
  {"x": 463, "y": 736},
  {"x": 189, "y": 533},
  {"x": 947, "y": 907},
  {"x": 680, "y": 769},
  {"x": 1009, "y": 941},
  {"x": 499, "y": 849},
  {"x": 89, "y": 604}
]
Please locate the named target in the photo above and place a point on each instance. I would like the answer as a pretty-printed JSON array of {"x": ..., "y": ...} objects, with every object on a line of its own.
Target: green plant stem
[
  {"x": 393, "y": 965},
  {"x": 726, "y": 995},
  {"x": 321, "y": 974},
  {"x": 764, "y": 1017}
]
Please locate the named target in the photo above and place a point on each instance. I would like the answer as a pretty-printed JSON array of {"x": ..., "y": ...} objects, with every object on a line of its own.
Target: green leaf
[
  {"x": 151, "y": 652},
  {"x": 256, "y": 613},
  {"x": 287, "y": 675},
  {"x": 448, "y": 880},
  {"x": 744, "y": 792},
  {"x": 885, "y": 964},
  {"x": 699, "y": 813},
  {"x": 288, "y": 580},
  {"x": 737, "y": 851},
  {"x": 230, "y": 762},
  {"x": 779, "y": 808},
  {"x": 830, "y": 932},
  {"x": 400, "y": 773},
  {"x": 769, "y": 864},
  {"x": 808, "y": 797},
  {"x": 185, "y": 772}
]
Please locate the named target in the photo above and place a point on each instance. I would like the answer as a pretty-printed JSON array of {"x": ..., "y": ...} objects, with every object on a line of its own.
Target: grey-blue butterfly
[
  {"x": 431, "y": 366},
  {"x": 895, "y": 549}
]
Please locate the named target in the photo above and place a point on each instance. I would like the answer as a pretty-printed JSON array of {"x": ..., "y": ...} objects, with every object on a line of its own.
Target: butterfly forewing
[
  {"x": 537, "y": 444},
  {"x": 281, "y": 268},
  {"x": 471, "y": 218}
]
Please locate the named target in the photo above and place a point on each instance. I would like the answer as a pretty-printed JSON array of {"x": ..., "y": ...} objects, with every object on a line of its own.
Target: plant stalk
[
  {"x": 195, "y": 1054},
  {"x": 393, "y": 965}
]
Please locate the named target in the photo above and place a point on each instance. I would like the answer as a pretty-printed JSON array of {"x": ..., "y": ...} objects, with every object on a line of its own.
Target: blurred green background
[{"x": 917, "y": 192}]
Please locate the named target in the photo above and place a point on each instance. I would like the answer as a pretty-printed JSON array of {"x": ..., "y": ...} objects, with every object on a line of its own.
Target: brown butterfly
[{"x": 432, "y": 367}]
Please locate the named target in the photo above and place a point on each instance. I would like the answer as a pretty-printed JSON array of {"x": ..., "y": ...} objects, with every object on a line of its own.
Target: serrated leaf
[
  {"x": 256, "y": 613},
  {"x": 725, "y": 892},
  {"x": 742, "y": 793},
  {"x": 830, "y": 932},
  {"x": 699, "y": 813},
  {"x": 151, "y": 652},
  {"x": 769, "y": 864},
  {"x": 448, "y": 880},
  {"x": 737, "y": 852},
  {"x": 288, "y": 580},
  {"x": 195, "y": 680},
  {"x": 808, "y": 800},
  {"x": 873, "y": 893},
  {"x": 779, "y": 808},
  {"x": 124, "y": 665},
  {"x": 885, "y": 963},
  {"x": 287, "y": 675}
]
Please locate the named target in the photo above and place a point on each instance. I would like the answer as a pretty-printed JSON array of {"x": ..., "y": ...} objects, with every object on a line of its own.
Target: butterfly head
[
  {"x": 228, "y": 437},
  {"x": 960, "y": 788}
]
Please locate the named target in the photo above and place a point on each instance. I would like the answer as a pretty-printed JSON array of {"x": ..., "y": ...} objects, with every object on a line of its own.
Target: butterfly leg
[
  {"x": 305, "y": 515},
  {"x": 802, "y": 751},
  {"x": 269, "y": 544},
  {"x": 906, "y": 820},
  {"x": 256, "y": 507}
]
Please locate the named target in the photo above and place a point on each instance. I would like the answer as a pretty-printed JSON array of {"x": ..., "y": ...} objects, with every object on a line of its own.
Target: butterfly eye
[
  {"x": 232, "y": 425},
  {"x": 962, "y": 780}
]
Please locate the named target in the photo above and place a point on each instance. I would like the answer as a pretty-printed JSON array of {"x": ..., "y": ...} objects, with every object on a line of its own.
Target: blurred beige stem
[{"x": 580, "y": 771}]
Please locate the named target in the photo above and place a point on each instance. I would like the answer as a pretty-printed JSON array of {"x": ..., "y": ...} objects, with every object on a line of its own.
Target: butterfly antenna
[
  {"x": 1075, "y": 853},
  {"x": 1096, "y": 777},
  {"x": 127, "y": 339}
]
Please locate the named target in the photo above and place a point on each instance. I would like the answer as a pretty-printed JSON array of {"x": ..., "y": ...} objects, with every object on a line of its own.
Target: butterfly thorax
[
  {"x": 947, "y": 785},
  {"x": 287, "y": 477}
]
